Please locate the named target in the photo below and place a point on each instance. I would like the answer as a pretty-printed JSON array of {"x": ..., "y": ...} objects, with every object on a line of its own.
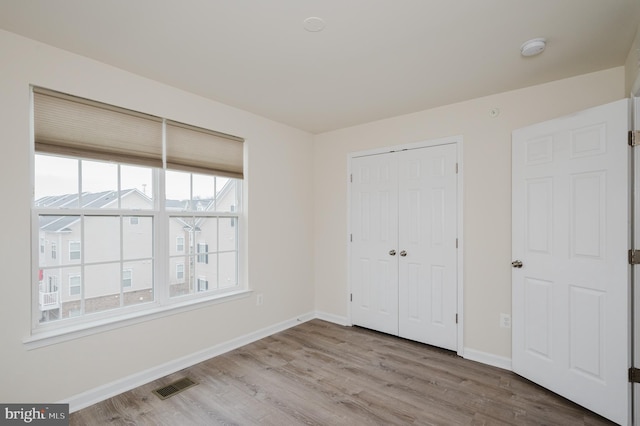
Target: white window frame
[
  {"x": 180, "y": 244},
  {"x": 199, "y": 281},
  {"x": 130, "y": 279},
  {"x": 43, "y": 334},
  {"x": 180, "y": 272},
  {"x": 73, "y": 277},
  {"x": 79, "y": 251},
  {"x": 202, "y": 252}
]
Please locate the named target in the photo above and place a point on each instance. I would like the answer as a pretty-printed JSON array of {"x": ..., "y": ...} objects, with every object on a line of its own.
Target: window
[
  {"x": 74, "y": 250},
  {"x": 75, "y": 284},
  {"x": 203, "y": 284},
  {"x": 97, "y": 171},
  {"x": 203, "y": 249},
  {"x": 127, "y": 278},
  {"x": 180, "y": 272}
]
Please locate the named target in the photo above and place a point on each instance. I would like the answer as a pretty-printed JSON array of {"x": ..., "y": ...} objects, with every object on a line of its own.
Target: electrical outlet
[
  {"x": 505, "y": 321},
  {"x": 259, "y": 299}
]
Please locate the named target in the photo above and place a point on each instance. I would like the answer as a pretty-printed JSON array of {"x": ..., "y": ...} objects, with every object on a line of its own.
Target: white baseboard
[
  {"x": 487, "y": 358},
  {"x": 336, "y": 319},
  {"x": 93, "y": 396}
]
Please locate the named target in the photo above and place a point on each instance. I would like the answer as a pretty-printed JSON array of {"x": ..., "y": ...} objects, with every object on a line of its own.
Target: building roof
[{"x": 97, "y": 200}]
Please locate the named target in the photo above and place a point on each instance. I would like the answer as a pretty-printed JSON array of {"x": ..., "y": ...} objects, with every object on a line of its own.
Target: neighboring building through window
[
  {"x": 74, "y": 250},
  {"x": 180, "y": 272},
  {"x": 75, "y": 284},
  {"x": 54, "y": 251},
  {"x": 127, "y": 278},
  {"x": 203, "y": 284},
  {"x": 203, "y": 256},
  {"x": 179, "y": 244}
]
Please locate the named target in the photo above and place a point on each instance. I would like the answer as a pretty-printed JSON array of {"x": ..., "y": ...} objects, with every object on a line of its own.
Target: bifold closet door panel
[
  {"x": 427, "y": 281},
  {"x": 374, "y": 223}
]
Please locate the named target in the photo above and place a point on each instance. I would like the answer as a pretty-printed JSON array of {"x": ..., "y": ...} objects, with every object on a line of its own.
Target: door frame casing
[{"x": 450, "y": 140}]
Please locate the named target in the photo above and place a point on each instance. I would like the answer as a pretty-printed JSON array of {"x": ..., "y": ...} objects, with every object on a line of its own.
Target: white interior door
[
  {"x": 374, "y": 235},
  {"x": 570, "y": 231},
  {"x": 636, "y": 268},
  {"x": 427, "y": 244}
]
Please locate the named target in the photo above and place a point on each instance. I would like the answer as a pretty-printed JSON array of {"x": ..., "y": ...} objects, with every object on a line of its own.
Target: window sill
[{"x": 44, "y": 338}]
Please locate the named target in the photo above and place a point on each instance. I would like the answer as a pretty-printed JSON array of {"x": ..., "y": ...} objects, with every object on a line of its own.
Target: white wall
[
  {"x": 277, "y": 194},
  {"x": 632, "y": 66},
  {"x": 487, "y": 191}
]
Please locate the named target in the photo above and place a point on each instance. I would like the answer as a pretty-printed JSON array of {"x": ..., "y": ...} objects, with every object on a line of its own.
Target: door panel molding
[
  {"x": 457, "y": 141},
  {"x": 570, "y": 230}
]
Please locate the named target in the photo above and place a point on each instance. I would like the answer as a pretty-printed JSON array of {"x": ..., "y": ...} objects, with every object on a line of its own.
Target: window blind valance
[
  {"x": 73, "y": 126},
  {"x": 199, "y": 150}
]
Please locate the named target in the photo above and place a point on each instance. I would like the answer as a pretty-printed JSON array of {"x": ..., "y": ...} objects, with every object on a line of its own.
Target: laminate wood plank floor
[{"x": 319, "y": 373}]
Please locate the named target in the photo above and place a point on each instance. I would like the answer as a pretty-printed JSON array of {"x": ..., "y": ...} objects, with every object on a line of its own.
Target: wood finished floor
[{"x": 320, "y": 373}]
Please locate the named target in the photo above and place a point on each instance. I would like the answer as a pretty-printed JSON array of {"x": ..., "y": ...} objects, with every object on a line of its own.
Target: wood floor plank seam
[{"x": 320, "y": 373}]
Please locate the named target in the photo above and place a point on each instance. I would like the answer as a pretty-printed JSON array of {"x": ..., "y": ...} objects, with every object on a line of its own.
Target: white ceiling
[{"x": 375, "y": 58}]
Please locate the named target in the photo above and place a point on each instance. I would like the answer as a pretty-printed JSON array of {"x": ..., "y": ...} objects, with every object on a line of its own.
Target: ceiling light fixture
[
  {"x": 533, "y": 47},
  {"x": 314, "y": 24}
]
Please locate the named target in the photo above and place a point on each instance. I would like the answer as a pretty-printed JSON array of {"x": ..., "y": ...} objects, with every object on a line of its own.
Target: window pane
[
  {"x": 102, "y": 238},
  {"x": 140, "y": 276},
  {"x": 56, "y": 234},
  {"x": 227, "y": 197},
  {"x": 56, "y": 176},
  {"x": 138, "y": 181},
  {"x": 99, "y": 185},
  {"x": 204, "y": 188},
  {"x": 137, "y": 239},
  {"x": 208, "y": 271},
  {"x": 102, "y": 287},
  {"x": 228, "y": 269},
  {"x": 228, "y": 233},
  {"x": 180, "y": 275},
  {"x": 53, "y": 291},
  {"x": 181, "y": 230},
  {"x": 178, "y": 190}
]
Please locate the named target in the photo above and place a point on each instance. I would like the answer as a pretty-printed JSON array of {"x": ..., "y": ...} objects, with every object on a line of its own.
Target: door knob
[
  {"x": 403, "y": 253},
  {"x": 516, "y": 264},
  {"x": 392, "y": 252}
]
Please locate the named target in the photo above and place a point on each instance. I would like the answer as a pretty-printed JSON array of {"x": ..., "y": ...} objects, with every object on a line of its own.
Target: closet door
[
  {"x": 374, "y": 227},
  {"x": 427, "y": 245}
]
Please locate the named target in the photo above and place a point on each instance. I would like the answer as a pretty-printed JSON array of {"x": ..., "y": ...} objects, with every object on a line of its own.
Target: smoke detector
[
  {"x": 314, "y": 24},
  {"x": 533, "y": 47}
]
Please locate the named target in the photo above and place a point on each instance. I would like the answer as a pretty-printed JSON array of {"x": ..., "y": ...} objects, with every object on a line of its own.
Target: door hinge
[
  {"x": 634, "y": 137},
  {"x": 351, "y": 297},
  {"x": 456, "y": 243},
  {"x": 634, "y": 257},
  {"x": 634, "y": 375},
  {"x": 456, "y": 168},
  {"x": 350, "y": 237},
  {"x": 351, "y": 178},
  {"x": 456, "y": 318}
]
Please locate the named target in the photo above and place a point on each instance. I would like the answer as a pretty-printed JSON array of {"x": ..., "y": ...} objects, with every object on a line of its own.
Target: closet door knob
[
  {"x": 403, "y": 253},
  {"x": 392, "y": 252}
]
